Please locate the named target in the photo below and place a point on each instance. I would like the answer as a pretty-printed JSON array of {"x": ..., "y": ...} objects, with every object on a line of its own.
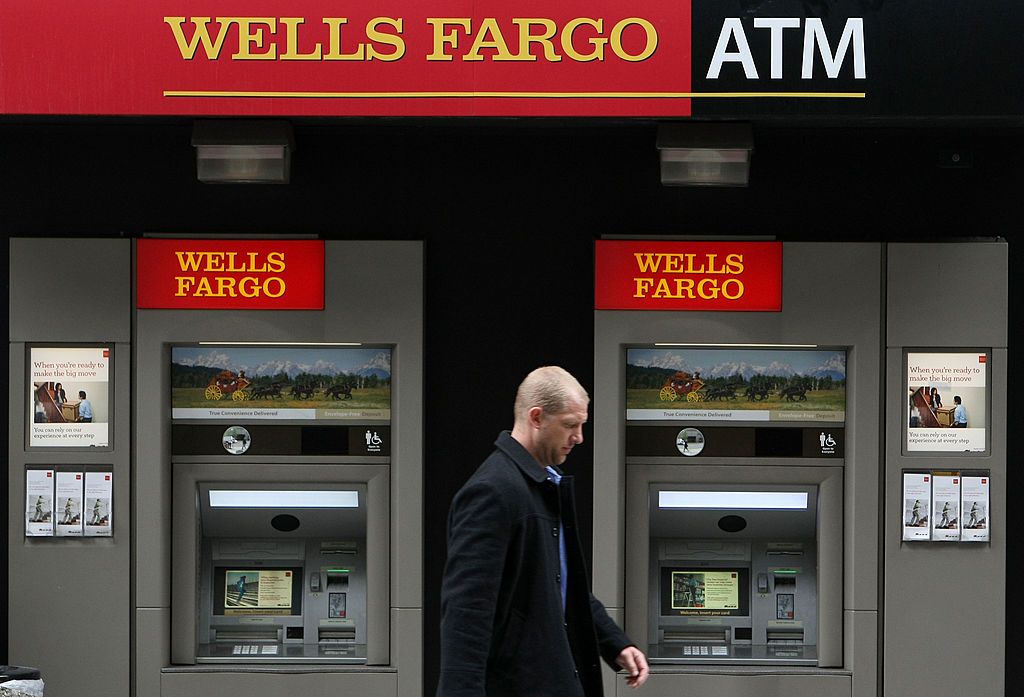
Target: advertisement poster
[
  {"x": 917, "y": 496},
  {"x": 70, "y": 487},
  {"x": 711, "y": 590},
  {"x": 280, "y": 382},
  {"x": 735, "y": 384},
  {"x": 38, "y": 503},
  {"x": 945, "y": 507},
  {"x": 975, "y": 507},
  {"x": 947, "y": 402},
  {"x": 261, "y": 591},
  {"x": 99, "y": 501},
  {"x": 69, "y": 397}
]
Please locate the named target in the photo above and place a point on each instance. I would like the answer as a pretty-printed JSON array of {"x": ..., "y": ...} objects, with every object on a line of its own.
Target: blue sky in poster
[
  {"x": 270, "y": 360},
  {"x": 723, "y": 362}
]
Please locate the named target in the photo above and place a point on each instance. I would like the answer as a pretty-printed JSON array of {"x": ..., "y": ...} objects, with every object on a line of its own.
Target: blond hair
[{"x": 551, "y": 388}]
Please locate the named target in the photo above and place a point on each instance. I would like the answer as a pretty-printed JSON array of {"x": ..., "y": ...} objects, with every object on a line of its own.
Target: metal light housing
[
  {"x": 243, "y": 151},
  {"x": 705, "y": 154}
]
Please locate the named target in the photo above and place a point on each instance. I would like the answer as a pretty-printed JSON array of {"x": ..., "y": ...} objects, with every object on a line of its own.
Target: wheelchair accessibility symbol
[{"x": 827, "y": 442}]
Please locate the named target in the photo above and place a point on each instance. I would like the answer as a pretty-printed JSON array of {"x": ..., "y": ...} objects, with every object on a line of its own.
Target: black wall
[{"x": 509, "y": 211}]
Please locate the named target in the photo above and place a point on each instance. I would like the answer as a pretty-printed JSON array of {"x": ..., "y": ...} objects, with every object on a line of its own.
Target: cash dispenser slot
[
  {"x": 246, "y": 634},
  {"x": 697, "y": 634}
]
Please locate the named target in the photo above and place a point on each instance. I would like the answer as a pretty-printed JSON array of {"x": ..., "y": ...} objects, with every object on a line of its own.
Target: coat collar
[{"x": 530, "y": 468}]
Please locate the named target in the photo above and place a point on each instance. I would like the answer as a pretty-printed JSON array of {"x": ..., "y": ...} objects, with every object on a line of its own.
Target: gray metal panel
[
  {"x": 256, "y": 683},
  {"x": 754, "y": 683},
  {"x": 934, "y": 641},
  {"x": 831, "y": 297},
  {"x": 860, "y": 642},
  {"x": 75, "y": 290},
  {"x": 930, "y": 285},
  {"x": 152, "y": 649},
  {"x": 931, "y": 646},
  {"x": 407, "y": 650},
  {"x": 70, "y": 609}
]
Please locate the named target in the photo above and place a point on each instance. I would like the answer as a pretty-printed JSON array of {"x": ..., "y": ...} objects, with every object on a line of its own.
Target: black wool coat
[{"x": 503, "y": 632}]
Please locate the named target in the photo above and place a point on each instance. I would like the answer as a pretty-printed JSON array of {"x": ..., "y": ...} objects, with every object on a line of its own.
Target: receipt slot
[
  {"x": 282, "y": 571},
  {"x": 739, "y": 572}
]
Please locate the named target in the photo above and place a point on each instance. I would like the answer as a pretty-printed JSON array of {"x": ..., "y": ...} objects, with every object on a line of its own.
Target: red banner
[
  {"x": 360, "y": 58},
  {"x": 645, "y": 275},
  {"x": 230, "y": 274}
]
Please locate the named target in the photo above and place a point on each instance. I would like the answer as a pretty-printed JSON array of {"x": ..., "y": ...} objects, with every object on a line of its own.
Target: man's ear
[{"x": 534, "y": 416}]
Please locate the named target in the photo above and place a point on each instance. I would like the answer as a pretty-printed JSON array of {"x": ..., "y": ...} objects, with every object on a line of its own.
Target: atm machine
[
  {"x": 733, "y": 573},
  {"x": 282, "y": 571}
]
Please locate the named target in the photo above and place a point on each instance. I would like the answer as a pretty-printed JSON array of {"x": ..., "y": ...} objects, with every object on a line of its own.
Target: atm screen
[
  {"x": 258, "y": 592},
  {"x": 694, "y": 592}
]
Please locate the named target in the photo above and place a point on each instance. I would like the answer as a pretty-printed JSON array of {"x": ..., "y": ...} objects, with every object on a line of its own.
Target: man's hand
[{"x": 633, "y": 661}]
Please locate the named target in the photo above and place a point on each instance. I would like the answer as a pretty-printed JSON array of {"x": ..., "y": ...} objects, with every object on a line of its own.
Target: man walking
[{"x": 518, "y": 618}]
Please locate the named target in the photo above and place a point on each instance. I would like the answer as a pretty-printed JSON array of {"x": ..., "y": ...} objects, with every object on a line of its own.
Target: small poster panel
[
  {"x": 947, "y": 402},
  {"x": 69, "y": 397},
  {"x": 70, "y": 487},
  {"x": 99, "y": 501},
  {"x": 38, "y": 503},
  {"x": 975, "y": 507},
  {"x": 946, "y": 507},
  {"x": 917, "y": 494},
  {"x": 337, "y": 607}
]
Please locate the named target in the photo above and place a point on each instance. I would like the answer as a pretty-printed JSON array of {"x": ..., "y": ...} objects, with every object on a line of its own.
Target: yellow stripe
[{"x": 512, "y": 95}]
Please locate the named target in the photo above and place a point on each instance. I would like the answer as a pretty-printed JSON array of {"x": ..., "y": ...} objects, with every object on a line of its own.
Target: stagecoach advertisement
[
  {"x": 736, "y": 384},
  {"x": 280, "y": 383}
]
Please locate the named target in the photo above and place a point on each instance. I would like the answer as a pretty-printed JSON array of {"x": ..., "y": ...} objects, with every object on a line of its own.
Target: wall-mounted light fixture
[
  {"x": 243, "y": 151},
  {"x": 705, "y": 154}
]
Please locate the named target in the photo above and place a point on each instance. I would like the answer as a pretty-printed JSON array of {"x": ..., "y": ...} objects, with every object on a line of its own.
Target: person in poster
[
  {"x": 959, "y": 413},
  {"x": 84, "y": 408},
  {"x": 97, "y": 513},
  {"x": 499, "y": 622}
]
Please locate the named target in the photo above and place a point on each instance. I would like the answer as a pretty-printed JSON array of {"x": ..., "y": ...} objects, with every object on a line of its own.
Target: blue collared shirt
[
  {"x": 960, "y": 414},
  {"x": 554, "y": 476}
]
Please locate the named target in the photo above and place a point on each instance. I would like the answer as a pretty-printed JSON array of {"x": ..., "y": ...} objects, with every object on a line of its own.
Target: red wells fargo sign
[
  {"x": 355, "y": 58},
  {"x": 230, "y": 274},
  {"x": 641, "y": 275}
]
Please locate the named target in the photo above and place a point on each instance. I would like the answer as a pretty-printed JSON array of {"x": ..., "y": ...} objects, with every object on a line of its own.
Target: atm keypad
[{"x": 254, "y": 650}]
